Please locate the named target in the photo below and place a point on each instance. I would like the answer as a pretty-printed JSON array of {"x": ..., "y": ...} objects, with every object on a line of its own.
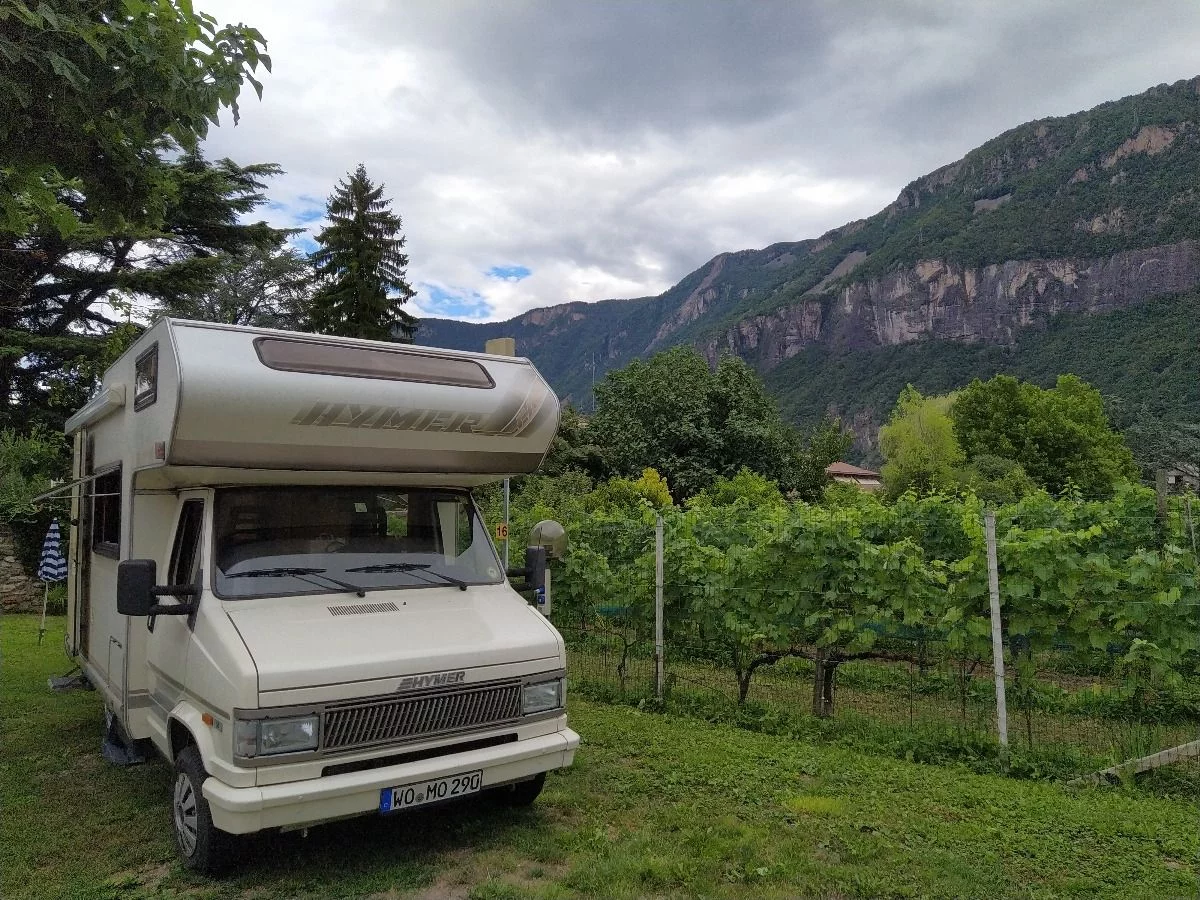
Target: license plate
[{"x": 409, "y": 795}]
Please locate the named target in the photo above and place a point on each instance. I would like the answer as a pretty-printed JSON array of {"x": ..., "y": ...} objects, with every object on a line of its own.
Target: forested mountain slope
[
  {"x": 992, "y": 263},
  {"x": 1146, "y": 356}
]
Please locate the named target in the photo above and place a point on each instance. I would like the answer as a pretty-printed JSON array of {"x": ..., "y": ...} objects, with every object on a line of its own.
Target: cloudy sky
[{"x": 549, "y": 151}]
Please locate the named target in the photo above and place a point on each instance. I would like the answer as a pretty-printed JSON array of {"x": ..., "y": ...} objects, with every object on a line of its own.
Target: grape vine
[{"x": 868, "y": 580}]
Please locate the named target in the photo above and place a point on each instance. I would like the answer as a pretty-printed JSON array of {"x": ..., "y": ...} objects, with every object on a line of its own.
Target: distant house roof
[{"x": 841, "y": 468}]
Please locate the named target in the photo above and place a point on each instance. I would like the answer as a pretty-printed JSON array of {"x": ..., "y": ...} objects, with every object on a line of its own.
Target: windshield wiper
[
  {"x": 300, "y": 572},
  {"x": 415, "y": 568},
  {"x": 390, "y": 567},
  {"x": 277, "y": 571}
]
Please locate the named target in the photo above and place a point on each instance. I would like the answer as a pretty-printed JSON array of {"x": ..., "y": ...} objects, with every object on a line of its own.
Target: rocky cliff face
[
  {"x": 696, "y": 304},
  {"x": 935, "y": 299}
]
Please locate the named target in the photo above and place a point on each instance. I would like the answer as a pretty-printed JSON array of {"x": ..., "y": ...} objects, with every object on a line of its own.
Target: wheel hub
[{"x": 184, "y": 809}]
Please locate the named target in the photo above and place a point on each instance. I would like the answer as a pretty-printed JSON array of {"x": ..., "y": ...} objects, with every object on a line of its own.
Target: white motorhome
[{"x": 279, "y": 578}]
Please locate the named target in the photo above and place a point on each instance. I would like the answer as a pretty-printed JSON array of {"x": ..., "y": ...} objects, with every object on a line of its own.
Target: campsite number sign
[{"x": 502, "y": 531}]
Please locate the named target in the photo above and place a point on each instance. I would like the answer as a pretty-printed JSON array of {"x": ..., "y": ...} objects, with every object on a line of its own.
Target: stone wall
[{"x": 18, "y": 592}]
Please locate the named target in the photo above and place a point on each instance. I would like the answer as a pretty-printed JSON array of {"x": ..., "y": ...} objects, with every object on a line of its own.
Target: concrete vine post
[
  {"x": 823, "y": 674},
  {"x": 1191, "y": 524},
  {"x": 659, "y": 661},
  {"x": 989, "y": 525}
]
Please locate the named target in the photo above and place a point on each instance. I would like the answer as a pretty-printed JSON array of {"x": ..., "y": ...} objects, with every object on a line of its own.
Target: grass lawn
[{"x": 654, "y": 806}]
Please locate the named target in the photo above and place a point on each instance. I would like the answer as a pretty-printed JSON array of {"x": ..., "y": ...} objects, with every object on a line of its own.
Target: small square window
[{"x": 145, "y": 380}]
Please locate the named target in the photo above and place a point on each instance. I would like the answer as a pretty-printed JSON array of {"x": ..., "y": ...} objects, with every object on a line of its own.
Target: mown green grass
[{"x": 655, "y": 805}]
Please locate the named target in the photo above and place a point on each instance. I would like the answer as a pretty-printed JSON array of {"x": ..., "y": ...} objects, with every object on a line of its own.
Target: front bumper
[{"x": 300, "y": 803}]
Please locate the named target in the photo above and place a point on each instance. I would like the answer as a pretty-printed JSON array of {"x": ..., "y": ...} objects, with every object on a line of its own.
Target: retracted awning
[
  {"x": 70, "y": 485},
  {"x": 103, "y": 404}
]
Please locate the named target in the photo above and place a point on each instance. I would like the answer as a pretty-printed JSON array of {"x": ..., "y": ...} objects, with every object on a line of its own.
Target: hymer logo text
[{"x": 441, "y": 679}]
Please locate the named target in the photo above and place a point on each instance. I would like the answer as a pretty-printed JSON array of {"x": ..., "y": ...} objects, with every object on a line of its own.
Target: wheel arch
[
  {"x": 178, "y": 736},
  {"x": 186, "y": 728}
]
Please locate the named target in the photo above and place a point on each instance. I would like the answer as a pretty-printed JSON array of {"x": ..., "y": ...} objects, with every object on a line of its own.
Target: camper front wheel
[{"x": 202, "y": 846}]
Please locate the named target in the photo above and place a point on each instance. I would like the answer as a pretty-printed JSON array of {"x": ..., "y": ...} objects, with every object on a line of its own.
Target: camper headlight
[
  {"x": 541, "y": 697},
  {"x": 267, "y": 737}
]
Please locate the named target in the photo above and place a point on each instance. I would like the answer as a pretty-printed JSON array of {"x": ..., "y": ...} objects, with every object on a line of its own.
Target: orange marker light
[{"x": 207, "y": 719}]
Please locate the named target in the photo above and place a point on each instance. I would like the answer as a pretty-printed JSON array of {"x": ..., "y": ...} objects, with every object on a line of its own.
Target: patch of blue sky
[
  {"x": 509, "y": 273},
  {"x": 309, "y": 214},
  {"x": 455, "y": 303},
  {"x": 309, "y": 209},
  {"x": 305, "y": 243}
]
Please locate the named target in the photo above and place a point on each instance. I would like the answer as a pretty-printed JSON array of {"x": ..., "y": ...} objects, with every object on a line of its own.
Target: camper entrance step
[
  {"x": 70, "y": 682},
  {"x": 116, "y": 747}
]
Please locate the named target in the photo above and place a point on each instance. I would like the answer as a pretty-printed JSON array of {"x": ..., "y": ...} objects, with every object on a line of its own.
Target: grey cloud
[
  {"x": 485, "y": 137},
  {"x": 620, "y": 65},
  {"x": 940, "y": 76}
]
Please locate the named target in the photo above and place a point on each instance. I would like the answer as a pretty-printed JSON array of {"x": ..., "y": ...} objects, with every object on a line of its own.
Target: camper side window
[
  {"x": 319, "y": 358},
  {"x": 145, "y": 379},
  {"x": 185, "y": 555},
  {"x": 106, "y": 514}
]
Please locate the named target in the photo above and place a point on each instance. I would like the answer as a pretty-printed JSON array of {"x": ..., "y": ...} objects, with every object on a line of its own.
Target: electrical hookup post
[{"x": 551, "y": 539}]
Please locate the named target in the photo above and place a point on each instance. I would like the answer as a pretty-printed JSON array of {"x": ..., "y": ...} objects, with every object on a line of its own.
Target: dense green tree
[
  {"x": 747, "y": 487},
  {"x": 1142, "y": 359},
  {"x": 656, "y": 413},
  {"x": 27, "y": 463},
  {"x": 61, "y": 296},
  {"x": 92, "y": 93},
  {"x": 826, "y": 442},
  {"x": 1061, "y": 437},
  {"x": 690, "y": 423},
  {"x": 267, "y": 286},
  {"x": 996, "y": 480},
  {"x": 919, "y": 445},
  {"x": 574, "y": 448},
  {"x": 627, "y": 495},
  {"x": 1157, "y": 439},
  {"x": 362, "y": 264}
]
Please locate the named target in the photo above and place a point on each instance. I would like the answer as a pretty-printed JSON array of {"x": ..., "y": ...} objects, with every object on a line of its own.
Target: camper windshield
[{"x": 280, "y": 541}]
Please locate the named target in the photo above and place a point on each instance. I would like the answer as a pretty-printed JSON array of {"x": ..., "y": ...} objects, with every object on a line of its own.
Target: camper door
[{"x": 169, "y": 641}]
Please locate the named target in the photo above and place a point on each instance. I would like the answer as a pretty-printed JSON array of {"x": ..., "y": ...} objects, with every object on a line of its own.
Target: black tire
[
  {"x": 523, "y": 793},
  {"x": 202, "y": 847}
]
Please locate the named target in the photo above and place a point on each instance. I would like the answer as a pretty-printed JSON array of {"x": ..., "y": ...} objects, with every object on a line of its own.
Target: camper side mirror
[
  {"x": 534, "y": 571},
  {"x": 137, "y": 594},
  {"x": 135, "y": 587},
  {"x": 535, "y": 566}
]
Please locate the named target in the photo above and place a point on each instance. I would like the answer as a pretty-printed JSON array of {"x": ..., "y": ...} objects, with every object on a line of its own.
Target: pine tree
[
  {"x": 267, "y": 286},
  {"x": 63, "y": 297},
  {"x": 362, "y": 264}
]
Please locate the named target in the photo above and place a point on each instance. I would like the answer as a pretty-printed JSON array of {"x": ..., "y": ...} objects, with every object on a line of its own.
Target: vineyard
[{"x": 869, "y": 624}]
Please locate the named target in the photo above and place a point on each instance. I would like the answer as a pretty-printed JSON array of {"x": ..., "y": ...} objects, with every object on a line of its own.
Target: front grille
[
  {"x": 408, "y": 718},
  {"x": 395, "y": 759}
]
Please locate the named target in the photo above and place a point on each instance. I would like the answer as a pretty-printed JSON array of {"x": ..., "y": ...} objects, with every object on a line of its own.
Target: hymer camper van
[{"x": 280, "y": 581}]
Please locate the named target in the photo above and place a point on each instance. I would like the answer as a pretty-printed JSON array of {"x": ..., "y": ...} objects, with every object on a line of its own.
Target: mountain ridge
[{"x": 1088, "y": 213}]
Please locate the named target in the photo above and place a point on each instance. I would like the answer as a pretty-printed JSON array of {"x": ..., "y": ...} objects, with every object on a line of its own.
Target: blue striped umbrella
[{"x": 52, "y": 567}]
